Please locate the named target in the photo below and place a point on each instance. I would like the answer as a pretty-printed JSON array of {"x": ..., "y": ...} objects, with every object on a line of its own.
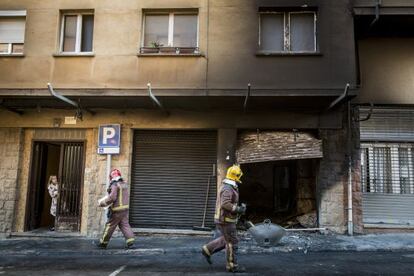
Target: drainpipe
[
  {"x": 69, "y": 101},
  {"x": 246, "y": 99},
  {"x": 154, "y": 99},
  {"x": 377, "y": 13},
  {"x": 350, "y": 211},
  {"x": 339, "y": 98}
]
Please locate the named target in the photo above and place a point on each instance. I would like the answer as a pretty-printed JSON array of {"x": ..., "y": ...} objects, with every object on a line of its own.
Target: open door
[{"x": 65, "y": 160}]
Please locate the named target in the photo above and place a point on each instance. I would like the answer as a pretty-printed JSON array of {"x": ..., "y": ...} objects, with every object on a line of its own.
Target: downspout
[
  {"x": 350, "y": 211},
  {"x": 377, "y": 13}
]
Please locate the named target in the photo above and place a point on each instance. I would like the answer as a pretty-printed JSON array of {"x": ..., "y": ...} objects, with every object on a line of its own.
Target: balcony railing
[{"x": 170, "y": 50}]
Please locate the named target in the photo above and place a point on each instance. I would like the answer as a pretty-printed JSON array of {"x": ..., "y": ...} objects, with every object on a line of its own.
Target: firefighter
[
  {"x": 117, "y": 201},
  {"x": 227, "y": 212}
]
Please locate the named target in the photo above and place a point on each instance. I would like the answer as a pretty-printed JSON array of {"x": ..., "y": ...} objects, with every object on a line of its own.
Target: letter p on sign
[
  {"x": 109, "y": 139},
  {"x": 108, "y": 133}
]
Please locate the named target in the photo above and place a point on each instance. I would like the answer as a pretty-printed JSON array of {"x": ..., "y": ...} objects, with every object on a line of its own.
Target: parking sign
[{"x": 109, "y": 139}]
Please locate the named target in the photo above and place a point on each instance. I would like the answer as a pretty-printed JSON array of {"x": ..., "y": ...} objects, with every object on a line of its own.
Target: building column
[{"x": 10, "y": 152}]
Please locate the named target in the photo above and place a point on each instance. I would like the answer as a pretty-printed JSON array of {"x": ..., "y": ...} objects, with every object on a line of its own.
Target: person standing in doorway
[
  {"x": 52, "y": 187},
  {"x": 227, "y": 212},
  {"x": 117, "y": 201}
]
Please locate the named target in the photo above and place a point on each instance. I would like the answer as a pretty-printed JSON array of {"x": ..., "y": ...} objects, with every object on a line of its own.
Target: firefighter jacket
[
  {"x": 227, "y": 203},
  {"x": 118, "y": 196}
]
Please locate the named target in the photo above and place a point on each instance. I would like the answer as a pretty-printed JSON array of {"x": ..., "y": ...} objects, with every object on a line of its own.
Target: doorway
[{"x": 66, "y": 161}]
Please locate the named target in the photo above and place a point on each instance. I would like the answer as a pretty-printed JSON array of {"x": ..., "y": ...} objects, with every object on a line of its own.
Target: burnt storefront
[{"x": 280, "y": 175}]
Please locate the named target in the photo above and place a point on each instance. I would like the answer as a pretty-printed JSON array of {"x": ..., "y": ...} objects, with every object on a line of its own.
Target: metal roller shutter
[
  {"x": 387, "y": 166},
  {"x": 170, "y": 172},
  {"x": 387, "y": 124}
]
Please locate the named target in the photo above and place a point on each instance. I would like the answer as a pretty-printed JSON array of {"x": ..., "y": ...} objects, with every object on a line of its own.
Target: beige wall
[
  {"x": 117, "y": 35},
  {"x": 387, "y": 70},
  {"x": 228, "y": 32}
]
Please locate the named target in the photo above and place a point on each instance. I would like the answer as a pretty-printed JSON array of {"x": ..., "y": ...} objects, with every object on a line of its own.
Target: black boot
[
  {"x": 206, "y": 254},
  {"x": 130, "y": 246},
  {"x": 236, "y": 269},
  {"x": 99, "y": 244}
]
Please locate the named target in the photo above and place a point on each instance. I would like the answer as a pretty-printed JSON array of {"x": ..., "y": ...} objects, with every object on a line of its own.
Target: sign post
[{"x": 109, "y": 142}]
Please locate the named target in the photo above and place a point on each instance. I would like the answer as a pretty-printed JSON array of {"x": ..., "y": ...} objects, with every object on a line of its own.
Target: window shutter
[{"x": 12, "y": 30}]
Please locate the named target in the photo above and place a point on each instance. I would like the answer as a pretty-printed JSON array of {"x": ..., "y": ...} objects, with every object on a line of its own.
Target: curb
[{"x": 192, "y": 250}]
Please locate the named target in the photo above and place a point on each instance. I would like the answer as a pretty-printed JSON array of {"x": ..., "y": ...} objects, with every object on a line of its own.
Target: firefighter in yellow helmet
[{"x": 227, "y": 211}]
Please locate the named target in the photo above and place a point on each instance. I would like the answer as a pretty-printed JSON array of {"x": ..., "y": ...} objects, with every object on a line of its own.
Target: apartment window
[
  {"x": 77, "y": 33},
  {"x": 12, "y": 29},
  {"x": 387, "y": 168},
  {"x": 288, "y": 32},
  {"x": 170, "y": 32}
]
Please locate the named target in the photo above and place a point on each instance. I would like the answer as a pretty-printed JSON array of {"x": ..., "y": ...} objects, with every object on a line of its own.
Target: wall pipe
[
  {"x": 340, "y": 98},
  {"x": 68, "y": 101},
  {"x": 350, "y": 209},
  {"x": 154, "y": 99},
  {"x": 246, "y": 99},
  {"x": 377, "y": 13}
]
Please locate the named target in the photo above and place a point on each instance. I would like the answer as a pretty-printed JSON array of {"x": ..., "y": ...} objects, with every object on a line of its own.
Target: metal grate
[
  {"x": 387, "y": 168},
  {"x": 70, "y": 188}
]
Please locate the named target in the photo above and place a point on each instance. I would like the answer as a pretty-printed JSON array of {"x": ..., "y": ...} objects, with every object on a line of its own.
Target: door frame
[{"x": 28, "y": 212}]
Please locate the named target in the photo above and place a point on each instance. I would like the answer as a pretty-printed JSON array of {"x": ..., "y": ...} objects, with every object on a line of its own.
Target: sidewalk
[{"x": 147, "y": 245}]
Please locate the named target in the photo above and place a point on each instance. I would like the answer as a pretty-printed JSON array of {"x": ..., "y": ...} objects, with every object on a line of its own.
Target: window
[
  {"x": 282, "y": 32},
  {"x": 77, "y": 33},
  {"x": 387, "y": 168},
  {"x": 172, "y": 32},
  {"x": 12, "y": 28}
]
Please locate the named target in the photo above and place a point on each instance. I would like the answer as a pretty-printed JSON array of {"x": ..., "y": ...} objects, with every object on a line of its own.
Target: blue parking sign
[{"x": 109, "y": 139}]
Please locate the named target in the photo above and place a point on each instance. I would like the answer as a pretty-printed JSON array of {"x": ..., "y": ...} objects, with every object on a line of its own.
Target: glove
[{"x": 241, "y": 209}]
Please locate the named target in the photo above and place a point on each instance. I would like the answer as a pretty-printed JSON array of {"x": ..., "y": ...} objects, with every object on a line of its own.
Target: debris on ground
[{"x": 308, "y": 220}]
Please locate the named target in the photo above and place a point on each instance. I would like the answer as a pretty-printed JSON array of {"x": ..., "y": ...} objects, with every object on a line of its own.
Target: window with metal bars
[{"x": 387, "y": 168}]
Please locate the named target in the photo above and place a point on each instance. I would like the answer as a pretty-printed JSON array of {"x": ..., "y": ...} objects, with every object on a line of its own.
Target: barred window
[{"x": 387, "y": 168}]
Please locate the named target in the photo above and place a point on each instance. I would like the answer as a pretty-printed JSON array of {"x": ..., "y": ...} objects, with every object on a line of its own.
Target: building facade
[
  {"x": 195, "y": 85},
  {"x": 384, "y": 116}
]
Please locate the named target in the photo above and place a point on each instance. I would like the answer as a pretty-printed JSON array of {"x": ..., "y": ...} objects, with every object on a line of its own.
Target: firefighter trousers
[
  {"x": 227, "y": 240},
  {"x": 119, "y": 219}
]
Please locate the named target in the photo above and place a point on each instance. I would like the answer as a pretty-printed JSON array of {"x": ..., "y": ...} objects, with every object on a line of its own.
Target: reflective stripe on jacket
[
  {"x": 119, "y": 196},
  {"x": 226, "y": 204}
]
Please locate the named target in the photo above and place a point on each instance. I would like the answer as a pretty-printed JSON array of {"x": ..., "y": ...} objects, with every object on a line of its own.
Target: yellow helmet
[{"x": 234, "y": 173}]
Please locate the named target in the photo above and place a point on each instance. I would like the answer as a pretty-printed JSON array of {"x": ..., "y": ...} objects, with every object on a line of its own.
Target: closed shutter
[
  {"x": 387, "y": 166},
  {"x": 383, "y": 208},
  {"x": 170, "y": 173},
  {"x": 12, "y": 29},
  {"x": 387, "y": 124}
]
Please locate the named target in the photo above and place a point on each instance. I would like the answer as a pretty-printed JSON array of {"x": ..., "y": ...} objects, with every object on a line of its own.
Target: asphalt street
[{"x": 312, "y": 263}]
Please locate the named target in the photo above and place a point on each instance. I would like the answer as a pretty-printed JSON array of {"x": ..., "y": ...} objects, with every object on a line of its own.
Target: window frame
[
  {"x": 16, "y": 14},
  {"x": 287, "y": 32},
  {"x": 78, "y": 40},
  {"x": 170, "y": 44}
]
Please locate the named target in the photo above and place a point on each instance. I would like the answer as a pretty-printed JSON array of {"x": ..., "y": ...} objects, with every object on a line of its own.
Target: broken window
[
  {"x": 288, "y": 31},
  {"x": 170, "y": 32},
  {"x": 77, "y": 33},
  {"x": 12, "y": 29}
]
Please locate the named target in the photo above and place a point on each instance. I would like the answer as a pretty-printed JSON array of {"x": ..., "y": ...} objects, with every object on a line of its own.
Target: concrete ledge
[
  {"x": 175, "y": 232},
  {"x": 388, "y": 226},
  {"x": 52, "y": 235}
]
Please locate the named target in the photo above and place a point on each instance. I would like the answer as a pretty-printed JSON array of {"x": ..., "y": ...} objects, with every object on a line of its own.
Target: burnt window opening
[{"x": 281, "y": 191}]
